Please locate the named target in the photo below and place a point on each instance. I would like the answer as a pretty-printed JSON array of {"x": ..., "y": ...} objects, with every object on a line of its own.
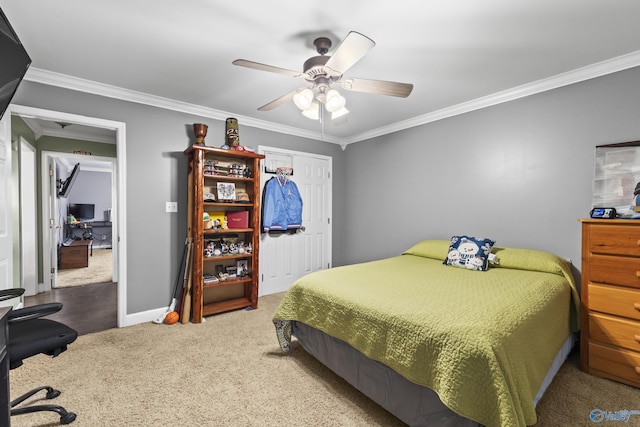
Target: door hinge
[
  {"x": 50, "y": 172},
  {"x": 328, "y": 220},
  {"x": 53, "y": 270}
]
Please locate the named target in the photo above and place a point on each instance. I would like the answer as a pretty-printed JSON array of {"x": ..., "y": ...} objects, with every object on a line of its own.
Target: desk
[
  {"x": 76, "y": 255},
  {"x": 98, "y": 231},
  {"x": 5, "y": 405}
]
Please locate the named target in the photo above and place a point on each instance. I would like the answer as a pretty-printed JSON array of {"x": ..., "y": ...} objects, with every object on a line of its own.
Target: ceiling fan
[{"x": 323, "y": 71}]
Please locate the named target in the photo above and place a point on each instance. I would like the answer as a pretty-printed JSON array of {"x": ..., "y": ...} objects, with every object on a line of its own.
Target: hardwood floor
[{"x": 86, "y": 308}]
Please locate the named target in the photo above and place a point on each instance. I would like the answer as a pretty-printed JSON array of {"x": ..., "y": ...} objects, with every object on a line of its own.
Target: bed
[{"x": 435, "y": 344}]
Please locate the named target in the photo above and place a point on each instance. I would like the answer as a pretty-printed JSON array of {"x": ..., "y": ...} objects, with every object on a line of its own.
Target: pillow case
[{"x": 469, "y": 252}]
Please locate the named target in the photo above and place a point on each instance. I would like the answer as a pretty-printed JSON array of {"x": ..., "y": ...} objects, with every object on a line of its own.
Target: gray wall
[
  {"x": 519, "y": 172},
  {"x": 156, "y": 171},
  {"x": 94, "y": 188}
]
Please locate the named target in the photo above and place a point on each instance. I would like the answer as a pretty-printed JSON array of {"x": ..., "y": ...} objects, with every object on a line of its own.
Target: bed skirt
[{"x": 413, "y": 404}]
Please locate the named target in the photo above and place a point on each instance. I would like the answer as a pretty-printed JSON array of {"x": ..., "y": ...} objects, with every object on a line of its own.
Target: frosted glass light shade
[
  {"x": 341, "y": 112},
  {"x": 303, "y": 98},
  {"x": 335, "y": 101},
  {"x": 313, "y": 111}
]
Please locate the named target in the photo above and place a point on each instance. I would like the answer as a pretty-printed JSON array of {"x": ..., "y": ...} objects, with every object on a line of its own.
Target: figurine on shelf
[
  {"x": 201, "y": 131},
  {"x": 217, "y": 249},
  {"x": 233, "y": 249},
  {"x": 232, "y": 132}
]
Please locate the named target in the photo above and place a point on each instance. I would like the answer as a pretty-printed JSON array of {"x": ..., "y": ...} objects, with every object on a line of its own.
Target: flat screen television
[
  {"x": 82, "y": 211},
  {"x": 15, "y": 62}
]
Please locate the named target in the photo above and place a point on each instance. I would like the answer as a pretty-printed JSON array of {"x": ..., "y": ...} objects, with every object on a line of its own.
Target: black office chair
[{"x": 30, "y": 335}]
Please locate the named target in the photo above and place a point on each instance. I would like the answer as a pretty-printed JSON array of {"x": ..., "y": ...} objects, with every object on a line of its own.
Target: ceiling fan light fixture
[
  {"x": 335, "y": 101},
  {"x": 313, "y": 111},
  {"x": 341, "y": 112},
  {"x": 303, "y": 98}
]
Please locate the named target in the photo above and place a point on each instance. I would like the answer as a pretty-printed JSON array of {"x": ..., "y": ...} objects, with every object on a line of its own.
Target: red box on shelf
[{"x": 237, "y": 219}]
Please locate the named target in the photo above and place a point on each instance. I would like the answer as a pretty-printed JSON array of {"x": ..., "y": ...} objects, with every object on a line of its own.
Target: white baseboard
[{"x": 143, "y": 316}]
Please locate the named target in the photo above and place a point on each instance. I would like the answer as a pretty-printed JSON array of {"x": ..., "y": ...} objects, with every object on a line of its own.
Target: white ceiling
[{"x": 459, "y": 54}]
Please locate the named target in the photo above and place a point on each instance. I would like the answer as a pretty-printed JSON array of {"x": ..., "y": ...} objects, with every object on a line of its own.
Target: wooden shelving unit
[{"x": 231, "y": 293}]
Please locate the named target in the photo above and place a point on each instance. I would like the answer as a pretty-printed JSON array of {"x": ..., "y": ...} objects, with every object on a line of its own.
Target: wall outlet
[{"x": 172, "y": 207}]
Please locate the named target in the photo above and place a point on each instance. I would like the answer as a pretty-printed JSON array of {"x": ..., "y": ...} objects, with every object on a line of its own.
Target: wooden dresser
[{"x": 610, "y": 299}]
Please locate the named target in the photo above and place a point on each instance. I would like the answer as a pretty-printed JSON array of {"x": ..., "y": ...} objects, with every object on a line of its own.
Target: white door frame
[
  {"x": 6, "y": 211},
  {"x": 49, "y": 193},
  {"x": 28, "y": 218},
  {"x": 119, "y": 218}
]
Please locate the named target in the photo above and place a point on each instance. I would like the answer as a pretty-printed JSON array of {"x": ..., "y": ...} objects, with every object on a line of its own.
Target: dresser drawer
[
  {"x": 614, "y": 300},
  {"x": 614, "y": 240},
  {"x": 617, "y": 363},
  {"x": 615, "y": 331},
  {"x": 614, "y": 270}
]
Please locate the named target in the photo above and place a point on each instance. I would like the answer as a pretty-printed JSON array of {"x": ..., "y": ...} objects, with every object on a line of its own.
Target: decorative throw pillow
[{"x": 469, "y": 252}]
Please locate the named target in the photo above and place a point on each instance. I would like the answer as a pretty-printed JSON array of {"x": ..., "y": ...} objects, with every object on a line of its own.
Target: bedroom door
[{"x": 286, "y": 257}]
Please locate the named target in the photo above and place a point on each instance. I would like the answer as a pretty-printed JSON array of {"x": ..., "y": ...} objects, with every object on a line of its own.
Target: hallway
[{"x": 87, "y": 308}]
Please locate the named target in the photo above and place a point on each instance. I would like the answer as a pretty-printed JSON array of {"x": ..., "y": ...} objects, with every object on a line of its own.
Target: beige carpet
[
  {"x": 98, "y": 271},
  {"x": 229, "y": 371}
]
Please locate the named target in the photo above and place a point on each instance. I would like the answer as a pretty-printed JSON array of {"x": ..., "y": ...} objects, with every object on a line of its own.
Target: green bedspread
[{"x": 483, "y": 341}]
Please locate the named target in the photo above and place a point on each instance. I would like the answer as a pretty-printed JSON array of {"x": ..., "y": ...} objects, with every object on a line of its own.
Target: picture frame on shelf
[
  {"x": 226, "y": 191},
  {"x": 242, "y": 268}
]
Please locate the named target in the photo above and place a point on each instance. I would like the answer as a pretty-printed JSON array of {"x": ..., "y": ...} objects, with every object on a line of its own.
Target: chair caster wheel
[{"x": 68, "y": 419}]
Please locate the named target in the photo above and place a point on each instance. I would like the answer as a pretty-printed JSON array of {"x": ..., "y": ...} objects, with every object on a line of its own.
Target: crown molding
[
  {"x": 588, "y": 72},
  {"x": 51, "y": 78},
  {"x": 39, "y": 132},
  {"x": 578, "y": 75}
]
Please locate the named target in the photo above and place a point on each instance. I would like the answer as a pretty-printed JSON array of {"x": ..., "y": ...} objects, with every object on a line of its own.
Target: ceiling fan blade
[
  {"x": 348, "y": 52},
  {"x": 379, "y": 87},
  {"x": 265, "y": 67},
  {"x": 278, "y": 102}
]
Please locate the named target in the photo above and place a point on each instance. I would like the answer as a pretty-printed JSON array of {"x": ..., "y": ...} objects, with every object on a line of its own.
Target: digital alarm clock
[{"x": 605, "y": 213}]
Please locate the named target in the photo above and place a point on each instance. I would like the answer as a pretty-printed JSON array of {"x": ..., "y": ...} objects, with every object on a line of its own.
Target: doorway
[
  {"x": 49, "y": 225},
  {"x": 80, "y": 250}
]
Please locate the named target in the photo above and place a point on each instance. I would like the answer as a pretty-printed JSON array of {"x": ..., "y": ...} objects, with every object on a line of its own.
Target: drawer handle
[
  {"x": 638, "y": 370},
  {"x": 636, "y": 305},
  {"x": 636, "y": 337}
]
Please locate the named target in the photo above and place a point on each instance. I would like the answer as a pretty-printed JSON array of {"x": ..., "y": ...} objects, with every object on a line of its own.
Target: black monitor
[
  {"x": 15, "y": 62},
  {"x": 82, "y": 211}
]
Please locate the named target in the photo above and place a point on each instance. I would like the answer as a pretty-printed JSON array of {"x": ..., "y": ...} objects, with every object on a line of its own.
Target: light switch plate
[{"x": 172, "y": 207}]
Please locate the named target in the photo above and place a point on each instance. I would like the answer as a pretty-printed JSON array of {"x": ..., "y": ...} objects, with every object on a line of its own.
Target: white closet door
[{"x": 286, "y": 257}]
